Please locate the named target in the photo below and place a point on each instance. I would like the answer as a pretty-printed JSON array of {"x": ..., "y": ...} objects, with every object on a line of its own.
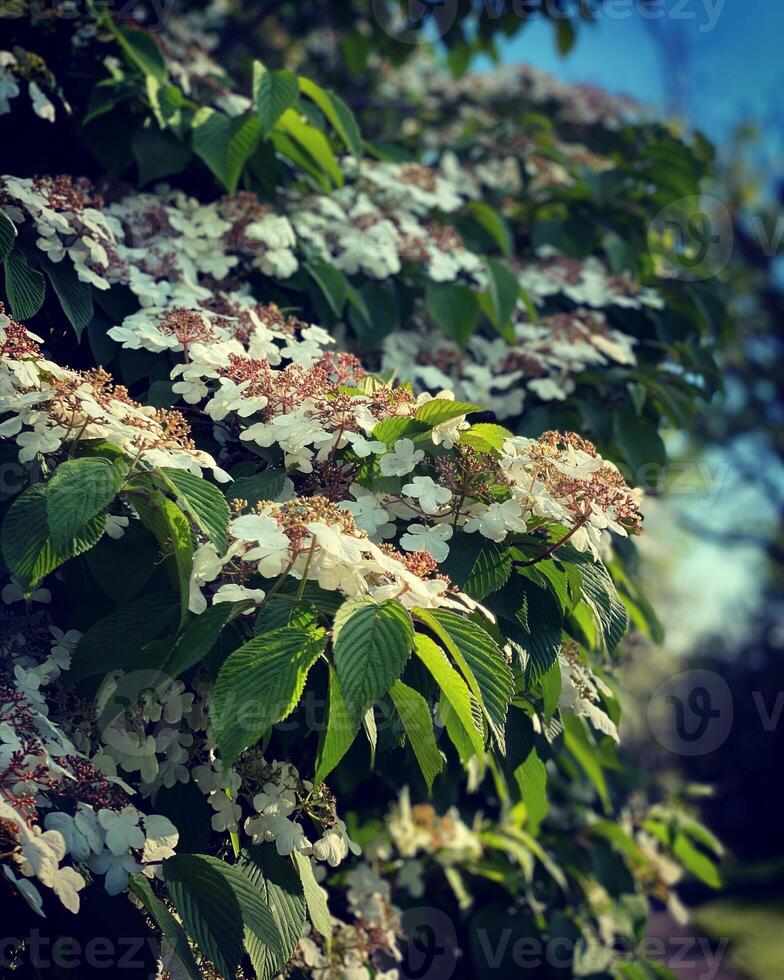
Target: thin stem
[{"x": 556, "y": 545}]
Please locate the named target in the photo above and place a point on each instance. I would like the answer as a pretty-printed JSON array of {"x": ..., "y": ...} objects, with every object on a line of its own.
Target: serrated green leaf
[
  {"x": 439, "y": 410},
  {"x": 80, "y": 490},
  {"x": 342, "y": 728},
  {"x": 140, "y": 48},
  {"x": 260, "y": 684},
  {"x": 313, "y": 142},
  {"x": 24, "y": 285},
  {"x": 172, "y": 931},
  {"x": 315, "y": 897},
  {"x": 115, "y": 640},
  {"x": 7, "y": 236},
  {"x": 372, "y": 642},
  {"x": 337, "y": 112},
  {"x": 485, "y": 436},
  {"x": 219, "y": 905},
  {"x": 173, "y": 533},
  {"x": 481, "y": 662},
  {"x": 225, "y": 144},
  {"x": 201, "y": 634},
  {"x": 264, "y": 486},
  {"x": 76, "y": 297},
  {"x": 280, "y": 888},
  {"x": 476, "y": 565},
  {"x": 417, "y": 720},
  {"x": 204, "y": 502},
  {"x": 273, "y": 93},
  {"x": 26, "y": 543}
]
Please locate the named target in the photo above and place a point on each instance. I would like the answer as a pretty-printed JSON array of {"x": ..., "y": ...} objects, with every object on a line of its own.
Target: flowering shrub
[{"x": 296, "y": 635}]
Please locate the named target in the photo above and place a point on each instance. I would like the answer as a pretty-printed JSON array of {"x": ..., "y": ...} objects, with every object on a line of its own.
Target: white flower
[
  {"x": 272, "y": 544},
  {"x": 364, "y": 447},
  {"x": 497, "y": 520},
  {"x": 431, "y": 496},
  {"x": 26, "y": 888},
  {"x": 430, "y": 539},
  {"x": 237, "y": 593},
  {"x": 335, "y": 845},
  {"x": 117, "y": 868},
  {"x": 227, "y": 812},
  {"x": 41, "y": 105},
  {"x": 205, "y": 568},
  {"x": 161, "y": 837},
  {"x": 115, "y": 526},
  {"x": 402, "y": 460},
  {"x": 38, "y": 441},
  {"x": 13, "y": 592},
  {"x": 122, "y": 829}
]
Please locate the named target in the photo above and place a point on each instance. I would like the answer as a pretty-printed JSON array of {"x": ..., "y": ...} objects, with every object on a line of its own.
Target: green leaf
[
  {"x": 260, "y": 684},
  {"x": 24, "y": 285},
  {"x": 453, "y": 689},
  {"x": 315, "y": 897},
  {"x": 80, "y": 490},
  {"x": 494, "y": 225},
  {"x": 225, "y": 144},
  {"x": 372, "y": 642},
  {"x": 531, "y": 777},
  {"x": 418, "y": 723},
  {"x": 264, "y": 486},
  {"x": 504, "y": 293},
  {"x": 337, "y": 112},
  {"x": 280, "y": 888},
  {"x": 486, "y": 437},
  {"x": 218, "y": 904},
  {"x": 7, "y": 236},
  {"x": 640, "y": 442},
  {"x": 273, "y": 93},
  {"x": 600, "y": 594},
  {"x": 173, "y": 533},
  {"x": 330, "y": 281},
  {"x": 697, "y": 862},
  {"x": 439, "y": 410},
  {"x": 545, "y": 632},
  {"x": 158, "y": 154},
  {"x": 201, "y": 635},
  {"x": 454, "y": 308},
  {"x": 585, "y": 752},
  {"x": 476, "y": 565},
  {"x": 140, "y": 48},
  {"x": 115, "y": 640},
  {"x": 204, "y": 502},
  {"x": 172, "y": 931},
  {"x": 76, "y": 297},
  {"x": 25, "y": 540},
  {"x": 481, "y": 662},
  {"x": 313, "y": 142},
  {"x": 342, "y": 728}
]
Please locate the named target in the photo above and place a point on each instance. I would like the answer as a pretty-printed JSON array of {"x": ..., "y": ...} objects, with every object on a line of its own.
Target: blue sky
[
  {"x": 733, "y": 72},
  {"x": 728, "y": 75}
]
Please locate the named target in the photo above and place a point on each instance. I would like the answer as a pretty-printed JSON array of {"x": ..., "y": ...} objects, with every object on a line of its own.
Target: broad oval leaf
[
  {"x": 260, "y": 684},
  {"x": 80, "y": 490},
  {"x": 372, "y": 642}
]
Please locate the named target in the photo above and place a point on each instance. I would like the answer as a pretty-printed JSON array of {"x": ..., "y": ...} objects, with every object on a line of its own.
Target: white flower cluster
[
  {"x": 544, "y": 359},
  {"x": 49, "y": 406},
  {"x": 56, "y": 804}
]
